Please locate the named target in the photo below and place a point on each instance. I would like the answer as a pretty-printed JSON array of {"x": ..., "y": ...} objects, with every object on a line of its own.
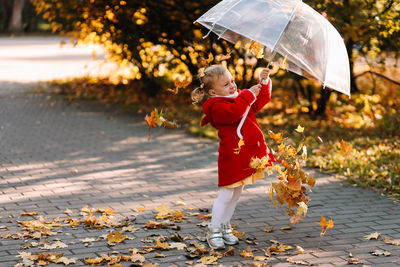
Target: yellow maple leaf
[
  {"x": 209, "y": 259},
  {"x": 299, "y": 129},
  {"x": 180, "y": 203},
  {"x": 162, "y": 245},
  {"x": 143, "y": 209},
  {"x": 247, "y": 253},
  {"x": 95, "y": 261},
  {"x": 116, "y": 237},
  {"x": 163, "y": 211},
  {"x": 271, "y": 195},
  {"x": 201, "y": 73},
  {"x": 210, "y": 58},
  {"x": 256, "y": 49},
  {"x": 240, "y": 144}
]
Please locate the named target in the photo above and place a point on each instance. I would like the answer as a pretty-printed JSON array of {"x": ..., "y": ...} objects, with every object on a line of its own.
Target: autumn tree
[
  {"x": 368, "y": 27},
  {"x": 159, "y": 39}
]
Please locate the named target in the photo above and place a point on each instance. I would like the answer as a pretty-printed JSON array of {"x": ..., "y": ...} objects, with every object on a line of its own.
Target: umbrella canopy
[{"x": 309, "y": 44}]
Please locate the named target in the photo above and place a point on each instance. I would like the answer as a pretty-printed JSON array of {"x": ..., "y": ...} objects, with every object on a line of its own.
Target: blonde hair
[{"x": 207, "y": 80}]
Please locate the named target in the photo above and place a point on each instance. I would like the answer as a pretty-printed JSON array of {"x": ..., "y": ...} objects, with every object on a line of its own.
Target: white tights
[{"x": 224, "y": 206}]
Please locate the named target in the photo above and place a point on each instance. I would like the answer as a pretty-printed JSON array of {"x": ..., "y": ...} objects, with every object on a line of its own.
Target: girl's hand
[
  {"x": 264, "y": 74},
  {"x": 256, "y": 89}
]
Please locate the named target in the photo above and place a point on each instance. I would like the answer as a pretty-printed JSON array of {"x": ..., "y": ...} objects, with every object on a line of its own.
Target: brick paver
[{"x": 55, "y": 155}]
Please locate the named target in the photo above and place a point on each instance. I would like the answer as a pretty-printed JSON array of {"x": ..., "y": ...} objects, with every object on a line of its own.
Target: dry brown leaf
[
  {"x": 29, "y": 213},
  {"x": 374, "y": 235},
  {"x": 380, "y": 252},
  {"x": 297, "y": 262},
  {"x": 395, "y": 242},
  {"x": 209, "y": 259},
  {"x": 159, "y": 255},
  {"x": 268, "y": 229},
  {"x": 143, "y": 209},
  {"x": 354, "y": 261},
  {"x": 247, "y": 253},
  {"x": 260, "y": 258},
  {"x": 299, "y": 250},
  {"x": 229, "y": 252},
  {"x": 287, "y": 227}
]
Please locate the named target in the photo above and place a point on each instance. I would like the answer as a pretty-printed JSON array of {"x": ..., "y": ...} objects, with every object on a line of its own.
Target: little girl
[{"x": 226, "y": 109}]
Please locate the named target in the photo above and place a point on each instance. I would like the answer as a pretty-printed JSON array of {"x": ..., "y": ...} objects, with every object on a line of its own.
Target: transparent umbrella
[{"x": 308, "y": 44}]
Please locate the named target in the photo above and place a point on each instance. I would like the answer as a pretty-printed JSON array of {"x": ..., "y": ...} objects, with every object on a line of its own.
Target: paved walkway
[{"x": 57, "y": 155}]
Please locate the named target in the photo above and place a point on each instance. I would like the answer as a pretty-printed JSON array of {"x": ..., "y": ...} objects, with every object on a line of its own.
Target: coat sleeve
[
  {"x": 228, "y": 113},
  {"x": 263, "y": 97}
]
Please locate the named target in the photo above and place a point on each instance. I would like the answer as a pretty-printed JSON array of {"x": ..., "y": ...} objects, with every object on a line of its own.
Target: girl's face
[{"x": 223, "y": 85}]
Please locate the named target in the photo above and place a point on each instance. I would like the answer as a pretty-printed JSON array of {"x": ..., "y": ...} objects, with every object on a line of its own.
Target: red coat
[{"x": 225, "y": 114}]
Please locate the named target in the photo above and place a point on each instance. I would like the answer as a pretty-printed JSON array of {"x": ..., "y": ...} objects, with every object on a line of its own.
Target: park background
[{"x": 159, "y": 51}]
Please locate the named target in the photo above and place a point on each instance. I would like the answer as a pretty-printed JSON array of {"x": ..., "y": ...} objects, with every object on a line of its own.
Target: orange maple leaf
[
  {"x": 325, "y": 225},
  {"x": 151, "y": 120},
  {"x": 276, "y": 136},
  {"x": 293, "y": 183},
  {"x": 345, "y": 148}
]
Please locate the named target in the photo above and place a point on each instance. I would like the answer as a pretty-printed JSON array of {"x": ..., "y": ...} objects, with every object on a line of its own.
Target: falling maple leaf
[
  {"x": 299, "y": 129},
  {"x": 293, "y": 183},
  {"x": 224, "y": 57},
  {"x": 276, "y": 136},
  {"x": 256, "y": 49},
  {"x": 151, "y": 120},
  {"x": 345, "y": 148},
  {"x": 201, "y": 72},
  {"x": 325, "y": 225}
]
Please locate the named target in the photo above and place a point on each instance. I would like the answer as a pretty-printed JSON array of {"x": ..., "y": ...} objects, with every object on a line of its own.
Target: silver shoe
[
  {"x": 227, "y": 235},
  {"x": 214, "y": 238}
]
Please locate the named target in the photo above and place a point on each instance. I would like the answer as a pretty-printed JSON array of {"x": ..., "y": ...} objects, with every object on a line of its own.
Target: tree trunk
[
  {"x": 325, "y": 95},
  {"x": 349, "y": 48},
  {"x": 5, "y": 11},
  {"x": 15, "y": 25}
]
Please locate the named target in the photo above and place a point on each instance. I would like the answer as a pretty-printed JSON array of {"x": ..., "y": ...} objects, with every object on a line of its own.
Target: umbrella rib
[
  {"x": 215, "y": 22},
  {"x": 280, "y": 36}
]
